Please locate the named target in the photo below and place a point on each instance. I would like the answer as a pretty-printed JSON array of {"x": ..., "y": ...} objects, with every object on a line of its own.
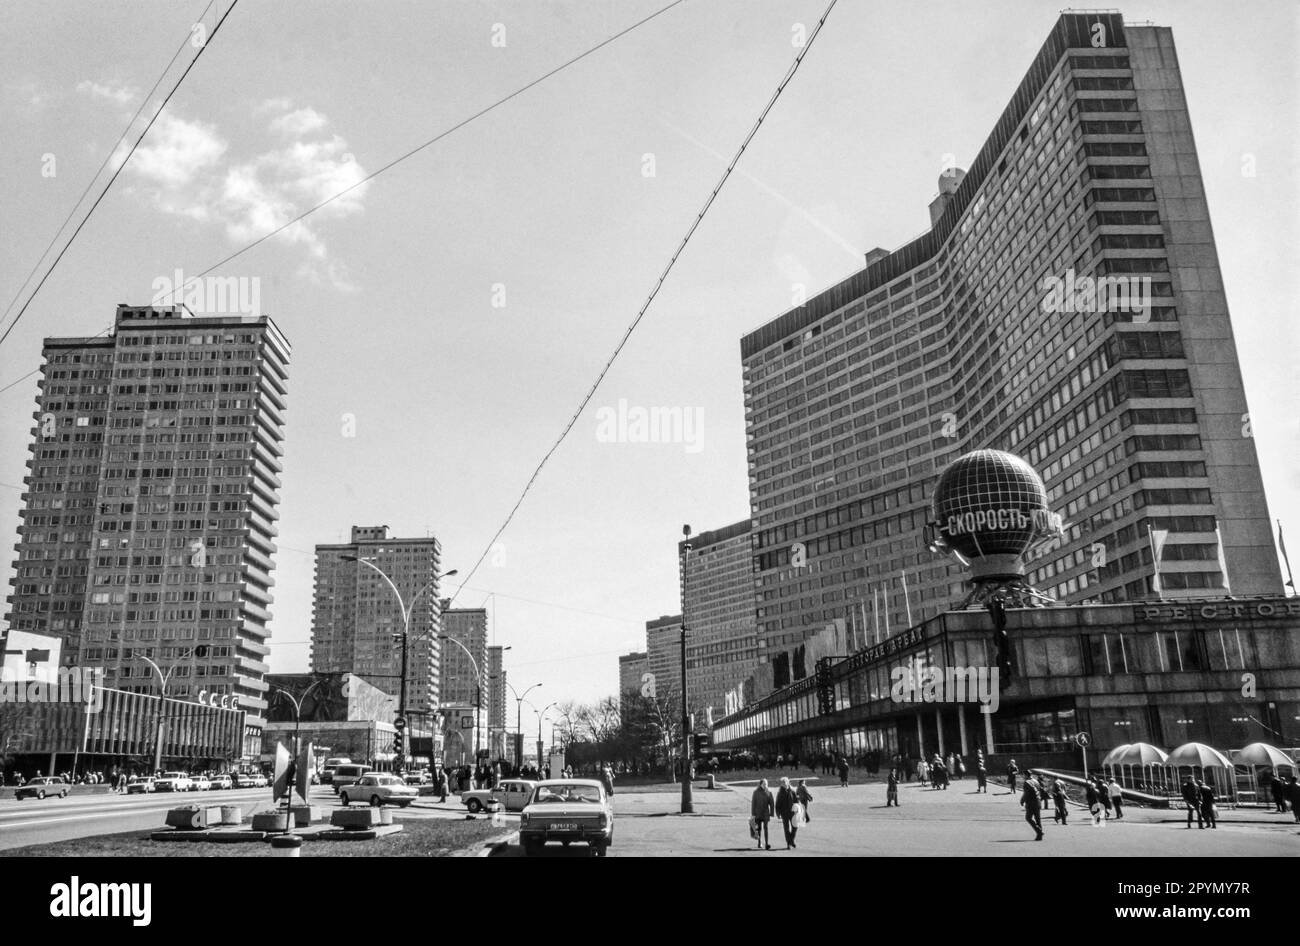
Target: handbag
[
  {"x": 796, "y": 814},
  {"x": 753, "y": 829}
]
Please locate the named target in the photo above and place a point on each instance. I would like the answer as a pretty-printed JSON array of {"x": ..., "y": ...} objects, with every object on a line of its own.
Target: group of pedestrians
[
  {"x": 1102, "y": 797},
  {"x": 790, "y": 804},
  {"x": 1201, "y": 802},
  {"x": 1284, "y": 793}
]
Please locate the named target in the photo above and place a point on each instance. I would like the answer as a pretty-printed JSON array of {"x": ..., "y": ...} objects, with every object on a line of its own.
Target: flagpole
[
  {"x": 875, "y": 610},
  {"x": 1223, "y": 560}
]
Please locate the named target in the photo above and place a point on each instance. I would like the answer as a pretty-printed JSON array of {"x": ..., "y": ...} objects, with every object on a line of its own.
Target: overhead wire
[{"x": 654, "y": 292}]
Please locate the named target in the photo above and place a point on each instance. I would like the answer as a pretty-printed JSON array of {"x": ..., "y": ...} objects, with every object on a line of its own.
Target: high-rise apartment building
[
  {"x": 357, "y": 620},
  {"x": 464, "y": 680},
  {"x": 496, "y": 690},
  {"x": 1067, "y": 306},
  {"x": 148, "y": 520},
  {"x": 722, "y": 638},
  {"x": 663, "y": 638},
  {"x": 631, "y": 668}
]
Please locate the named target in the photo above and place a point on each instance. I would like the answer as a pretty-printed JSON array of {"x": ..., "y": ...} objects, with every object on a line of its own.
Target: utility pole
[{"x": 688, "y": 805}]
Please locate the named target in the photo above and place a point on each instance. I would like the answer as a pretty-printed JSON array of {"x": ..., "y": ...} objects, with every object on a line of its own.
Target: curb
[{"x": 493, "y": 845}]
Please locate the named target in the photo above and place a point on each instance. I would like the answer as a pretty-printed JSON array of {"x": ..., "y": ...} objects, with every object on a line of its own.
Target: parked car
[
  {"x": 174, "y": 782},
  {"x": 201, "y": 783},
  {"x": 141, "y": 785},
  {"x": 511, "y": 794},
  {"x": 221, "y": 782},
  {"x": 249, "y": 780},
  {"x": 567, "y": 810},
  {"x": 347, "y": 774},
  {"x": 40, "y": 787},
  {"x": 418, "y": 778},
  {"x": 379, "y": 788}
]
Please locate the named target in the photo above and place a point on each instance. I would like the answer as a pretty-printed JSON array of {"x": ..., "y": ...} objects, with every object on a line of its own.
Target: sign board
[
  {"x": 399, "y": 723},
  {"x": 1083, "y": 740}
]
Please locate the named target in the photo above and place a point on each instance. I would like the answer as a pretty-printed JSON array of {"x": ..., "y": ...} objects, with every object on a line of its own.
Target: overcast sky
[{"x": 549, "y": 205}]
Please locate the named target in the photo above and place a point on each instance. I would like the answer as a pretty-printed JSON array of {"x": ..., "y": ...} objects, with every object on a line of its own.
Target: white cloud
[
  {"x": 297, "y": 123},
  {"x": 185, "y": 169},
  {"x": 120, "y": 95}
]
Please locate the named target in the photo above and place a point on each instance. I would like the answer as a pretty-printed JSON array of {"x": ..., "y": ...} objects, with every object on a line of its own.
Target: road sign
[
  {"x": 1083, "y": 740},
  {"x": 399, "y": 723}
]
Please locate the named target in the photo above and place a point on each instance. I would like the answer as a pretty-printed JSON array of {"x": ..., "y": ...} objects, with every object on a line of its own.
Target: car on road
[
  {"x": 249, "y": 780},
  {"x": 40, "y": 787},
  {"x": 221, "y": 782},
  {"x": 418, "y": 778},
  {"x": 510, "y": 794},
  {"x": 201, "y": 783},
  {"x": 379, "y": 788},
  {"x": 141, "y": 785},
  {"x": 327, "y": 772},
  {"x": 173, "y": 782},
  {"x": 567, "y": 810}
]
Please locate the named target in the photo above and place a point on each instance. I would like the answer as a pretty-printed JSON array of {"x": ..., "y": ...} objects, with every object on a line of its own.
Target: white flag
[
  {"x": 1223, "y": 560},
  {"x": 1157, "y": 538}
]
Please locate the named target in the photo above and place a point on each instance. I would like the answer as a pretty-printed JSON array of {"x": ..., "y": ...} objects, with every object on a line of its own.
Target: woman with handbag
[{"x": 803, "y": 796}]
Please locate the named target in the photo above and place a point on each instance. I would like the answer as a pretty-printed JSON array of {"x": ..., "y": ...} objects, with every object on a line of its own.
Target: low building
[
  {"x": 341, "y": 714},
  {"x": 1222, "y": 671}
]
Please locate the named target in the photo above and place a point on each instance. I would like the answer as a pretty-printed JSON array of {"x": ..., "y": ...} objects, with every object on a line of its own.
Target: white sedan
[
  {"x": 379, "y": 788},
  {"x": 200, "y": 783}
]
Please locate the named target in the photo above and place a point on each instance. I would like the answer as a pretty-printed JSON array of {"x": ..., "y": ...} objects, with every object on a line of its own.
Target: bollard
[
  {"x": 713, "y": 782},
  {"x": 286, "y": 845}
]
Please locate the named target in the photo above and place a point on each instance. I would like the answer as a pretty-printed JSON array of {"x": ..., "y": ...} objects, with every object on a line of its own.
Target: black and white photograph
[{"x": 557, "y": 429}]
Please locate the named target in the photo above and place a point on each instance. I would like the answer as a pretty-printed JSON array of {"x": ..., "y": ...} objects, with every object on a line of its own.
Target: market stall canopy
[
  {"x": 1199, "y": 754},
  {"x": 1139, "y": 753},
  {"x": 1261, "y": 753}
]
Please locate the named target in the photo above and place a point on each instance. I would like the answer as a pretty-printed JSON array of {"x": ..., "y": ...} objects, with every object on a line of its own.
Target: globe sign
[{"x": 989, "y": 503}]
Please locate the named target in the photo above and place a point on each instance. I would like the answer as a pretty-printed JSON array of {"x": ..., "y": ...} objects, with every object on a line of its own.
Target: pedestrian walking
[
  {"x": 1279, "y": 798},
  {"x": 804, "y": 796},
  {"x": 1012, "y": 771},
  {"x": 961, "y": 768},
  {"x": 1192, "y": 797},
  {"x": 1033, "y": 806},
  {"x": 761, "y": 808},
  {"x": 923, "y": 772},
  {"x": 1062, "y": 813},
  {"x": 1117, "y": 798},
  {"x": 981, "y": 779},
  {"x": 1293, "y": 796},
  {"x": 891, "y": 789},
  {"x": 1209, "y": 811},
  {"x": 1093, "y": 801},
  {"x": 1103, "y": 796},
  {"x": 844, "y": 773},
  {"x": 787, "y": 809}
]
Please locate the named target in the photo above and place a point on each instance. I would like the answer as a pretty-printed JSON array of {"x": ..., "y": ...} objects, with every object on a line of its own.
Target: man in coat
[
  {"x": 1012, "y": 771},
  {"x": 761, "y": 808},
  {"x": 1192, "y": 796},
  {"x": 784, "y": 807},
  {"x": 1032, "y": 803},
  {"x": 1279, "y": 796},
  {"x": 1293, "y": 796},
  {"x": 1207, "y": 804},
  {"x": 1058, "y": 797}
]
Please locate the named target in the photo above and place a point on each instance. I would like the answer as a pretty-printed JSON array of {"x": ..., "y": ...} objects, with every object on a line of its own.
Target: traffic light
[
  {"x": 1001, "y": 642},
  {"x": 702, "y": 741},
  {"x": 399, "y": 743}
]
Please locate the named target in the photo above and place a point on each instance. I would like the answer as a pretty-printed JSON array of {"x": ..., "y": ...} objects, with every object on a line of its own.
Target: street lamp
[
  {"x": 399, "y": 763},
  {"x": 540, "y": 715},
  {"x": 478, "y": 689},
  {"x": 163, "y": 679},
  {"x": 688, "y": 806},
  {"x": 519, "y": 730}
]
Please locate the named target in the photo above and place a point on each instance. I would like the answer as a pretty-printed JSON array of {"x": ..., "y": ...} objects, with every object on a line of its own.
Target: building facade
[
  {"x": 357, "y": 620},
  {"x": 148, "y": 522},
  {"x": 663, "y": 638},
  {"x": 497, "y": 683},
  {"x": 722, "y": 637},
  {"x": 631, "y": 669},
  {"x": 1222, "y": 671},
  {"x": 341, "y": 715},
  {"x": 1066, "y": 305}
]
